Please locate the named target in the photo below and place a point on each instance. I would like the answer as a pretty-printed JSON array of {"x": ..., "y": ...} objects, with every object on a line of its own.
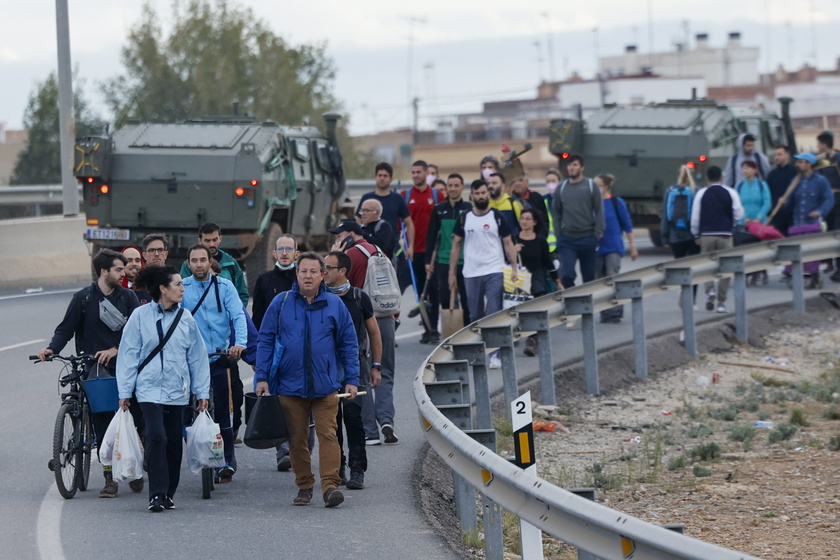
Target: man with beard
[
  {"x": 482, "y": 231},
  {"x": 500, "y": 200},
  {"x": 213, "y": 302},
  {"x": 210, "y": 236},
  {"x": 134, "y": 262},
  {"x": 98, "y": 333},
  {"x": 578, "y": 222},
  {"x": 745, "y": 145}
]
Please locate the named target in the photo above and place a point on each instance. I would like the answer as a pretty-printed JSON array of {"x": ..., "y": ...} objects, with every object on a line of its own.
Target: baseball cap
[
  {"x": 807, "y": 157},
  {"x": 348, "y": 225}
]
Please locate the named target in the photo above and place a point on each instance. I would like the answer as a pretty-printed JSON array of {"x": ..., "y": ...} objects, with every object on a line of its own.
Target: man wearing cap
[
  {"x": 812, "y": 199},
  {"x": 349, "y": 239}
]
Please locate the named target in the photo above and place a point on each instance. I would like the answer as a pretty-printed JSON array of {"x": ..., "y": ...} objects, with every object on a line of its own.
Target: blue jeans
[
  {"x": 489, "y": 286},
  {"x": 378, "y": 404},
  {"x": 572, "y": 250}
]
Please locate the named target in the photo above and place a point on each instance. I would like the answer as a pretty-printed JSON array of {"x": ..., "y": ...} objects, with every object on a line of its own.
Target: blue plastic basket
[{"x": 102, "y": 394}]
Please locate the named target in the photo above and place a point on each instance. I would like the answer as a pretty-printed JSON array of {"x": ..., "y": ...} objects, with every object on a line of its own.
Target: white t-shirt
[{"x": 483, "y": 252}]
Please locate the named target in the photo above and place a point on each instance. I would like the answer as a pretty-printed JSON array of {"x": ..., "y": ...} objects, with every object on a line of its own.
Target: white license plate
[{"x": 116, "y": 234}]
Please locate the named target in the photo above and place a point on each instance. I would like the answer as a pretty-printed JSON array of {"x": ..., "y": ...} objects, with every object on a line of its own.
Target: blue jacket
[
  {"x": 755, "y": 198},
  {"x": 309, "y": 341},
  {"x": 813, "y": 193},
  {"x": 179, "y": 369},
  {"x": 230, "y": 271},
  {"x": 219, "y": 309},
  {"x": 614, "y": 226}
]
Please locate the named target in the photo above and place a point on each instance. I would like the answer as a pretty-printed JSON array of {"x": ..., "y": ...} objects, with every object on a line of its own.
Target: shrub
[
  {"x": 701, "y": 430},
  {"x": 783, "y": 431},
  {"x": 725, "y": 413},
  {"x": 707, "y": 451},
  {"x": 676, "y": 463},
  {"x": 831, "y": 413},
  {"x": 700, "y": 471},
  {"x": 742, "y": 432},
  {"x": 798, "y": 418},
  {"x": 834, "y": 443}
]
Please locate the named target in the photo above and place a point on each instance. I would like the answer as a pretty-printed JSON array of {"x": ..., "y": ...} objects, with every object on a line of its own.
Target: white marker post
[{"x": 523, "y": 442}]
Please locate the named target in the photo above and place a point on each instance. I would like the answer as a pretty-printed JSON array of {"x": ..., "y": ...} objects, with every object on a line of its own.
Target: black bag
[{"x": 266, "y": 425}]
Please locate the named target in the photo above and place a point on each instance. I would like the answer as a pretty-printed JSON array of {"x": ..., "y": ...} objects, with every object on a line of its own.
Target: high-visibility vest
[{"x": 551, "y": 238}]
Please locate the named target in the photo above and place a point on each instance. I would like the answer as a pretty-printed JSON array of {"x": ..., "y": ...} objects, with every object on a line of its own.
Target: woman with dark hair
[
  {"x": 163, "y": 360},
  {"x": 533, "y": 252}
]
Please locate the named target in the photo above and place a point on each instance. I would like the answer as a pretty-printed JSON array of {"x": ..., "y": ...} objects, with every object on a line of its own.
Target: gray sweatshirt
[{"x": 578, "y": 209}]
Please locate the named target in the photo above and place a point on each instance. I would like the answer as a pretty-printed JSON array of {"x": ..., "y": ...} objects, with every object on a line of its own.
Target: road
[{"x": 253, "y": 515}]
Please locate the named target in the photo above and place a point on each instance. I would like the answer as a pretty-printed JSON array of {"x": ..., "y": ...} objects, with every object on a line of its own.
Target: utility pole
[
  {"x": 549, "y": 47},
  {"x": 412, "y": 20},
  {"x": 66, "y": 124}
]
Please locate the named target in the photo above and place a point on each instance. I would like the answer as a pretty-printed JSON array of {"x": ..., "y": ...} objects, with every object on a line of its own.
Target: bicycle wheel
[
  {"x": 65, "y": 454},
  {"x": 206, "y": 482},
  {"x": 85, "y": 448}
]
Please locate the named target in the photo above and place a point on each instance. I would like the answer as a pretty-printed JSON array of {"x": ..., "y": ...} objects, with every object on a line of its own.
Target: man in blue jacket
[
  {"x": 214, "y": 303},
  {"x": 304, "y": 335}
]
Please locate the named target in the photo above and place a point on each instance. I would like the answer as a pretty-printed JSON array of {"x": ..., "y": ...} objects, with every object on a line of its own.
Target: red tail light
[
  {"x": 104, "y": 189},
  {"x": 240, "y": 191},
  {"x": 690, "y": 165},
  {"x": 254, "y": 182},
  {"x": 702, "y": 158}
]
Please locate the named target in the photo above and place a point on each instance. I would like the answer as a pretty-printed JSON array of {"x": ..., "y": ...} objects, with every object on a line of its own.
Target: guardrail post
[
  {"x": 502, "y": 338},
  {"x": 537, "y": 321},
  {"x": 735, "y": 264},
  {"x": 793, "y": 253},
  {"x": 589, "y": 494},
  {"x": 476, "y": 354},
  {"x": 582, "y": 305},
  {"x": 494, "y": 546},
  {"x": 682, "y": 277},
  {"x": 633, "y": 290}
]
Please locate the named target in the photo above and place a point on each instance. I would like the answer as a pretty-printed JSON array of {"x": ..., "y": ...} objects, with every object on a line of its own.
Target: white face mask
[
  {"x": 430, "y": 179},
  {"x": 486, "y": 172},
  {"x": 551, "y": 187}
]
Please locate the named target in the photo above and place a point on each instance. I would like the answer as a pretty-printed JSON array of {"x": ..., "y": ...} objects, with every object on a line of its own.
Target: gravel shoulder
[{"x": 682, "y": 448}]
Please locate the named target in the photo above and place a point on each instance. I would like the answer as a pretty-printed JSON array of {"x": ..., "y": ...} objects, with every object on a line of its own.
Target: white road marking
[
  {"x": 19, "y": 344},
  {"x": 408, "y": 335},
  {"x": 16, "y": 296},
  {"x": 48, "y": 530}
]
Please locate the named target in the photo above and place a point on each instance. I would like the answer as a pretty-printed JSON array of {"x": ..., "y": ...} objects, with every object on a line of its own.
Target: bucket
[
  {"x": 266, "y": 424},
  {"x": 102, "y": 394}
]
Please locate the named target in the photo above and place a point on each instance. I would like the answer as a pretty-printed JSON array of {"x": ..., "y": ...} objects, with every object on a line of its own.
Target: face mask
[
  {"x": 482, "y": 204},
  {"x": 430, "y": 179},
  {"x": 551, "y": 187},
  {"x": 486, "y": 172},
  {"x": 339, "y": 289},
  {"x": 281, "y": 267}
]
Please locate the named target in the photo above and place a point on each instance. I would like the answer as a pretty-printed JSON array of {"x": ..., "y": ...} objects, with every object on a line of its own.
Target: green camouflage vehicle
[
  {"x": 644, "y": 147},
  {"x": 254, "y": 179}
]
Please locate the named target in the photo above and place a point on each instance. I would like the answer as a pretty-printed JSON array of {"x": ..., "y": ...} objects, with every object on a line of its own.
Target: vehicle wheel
[
  {"x": 85, "y": 449},
  {"x": 655, "y": 236},
  {"x": 261, "y": 259},
  {"x": 65, "y": 452},
  {"x": 206, "y": 482}
]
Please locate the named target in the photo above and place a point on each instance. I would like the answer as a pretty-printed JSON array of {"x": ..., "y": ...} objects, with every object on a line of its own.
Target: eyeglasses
[
  {"x": 284, "y": 250},
  {"x": 367, "y": 210},
  {"x": 156, "y": 251},
  {"x": 328, "y": 267}
]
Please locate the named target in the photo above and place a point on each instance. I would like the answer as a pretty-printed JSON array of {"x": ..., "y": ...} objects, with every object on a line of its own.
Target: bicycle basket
[{"x": 101, "y": 391}]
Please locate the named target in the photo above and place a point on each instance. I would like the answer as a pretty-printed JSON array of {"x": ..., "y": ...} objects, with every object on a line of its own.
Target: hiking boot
[
  {"x": 357, "y": 480},
  {"x": 284, "y": 464},
  {"x": 111, "y": 487},
  {"x": 156, "y": 503},
  {"x": 332, "y": 497},
  {"x": 136, "y": 485},
  {"x": 304, "y": 497},
  {"x": 168, "y": 502},
  {"x": 388, "y": 432},
  {"x": 425, "y": 338}
]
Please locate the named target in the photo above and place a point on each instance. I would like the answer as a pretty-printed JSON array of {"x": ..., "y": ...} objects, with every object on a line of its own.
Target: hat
[
  {"x": 807, "y": 157},
  {"x": 348, "y": 225}
]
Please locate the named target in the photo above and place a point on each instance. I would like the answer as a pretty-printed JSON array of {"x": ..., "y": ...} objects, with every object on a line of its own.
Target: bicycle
[{"x": 73, "y": 434}]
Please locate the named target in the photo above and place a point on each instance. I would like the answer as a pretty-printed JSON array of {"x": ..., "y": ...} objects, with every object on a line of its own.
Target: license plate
[{"x": 115, "y": 234}]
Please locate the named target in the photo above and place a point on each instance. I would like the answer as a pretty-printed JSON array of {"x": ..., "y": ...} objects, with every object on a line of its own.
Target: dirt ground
[{"x": 682, "y": 446}]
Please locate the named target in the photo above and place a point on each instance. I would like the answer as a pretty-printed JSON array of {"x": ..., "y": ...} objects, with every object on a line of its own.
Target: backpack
[
  {"x": 678, "y": 207},
  {"x": 408, "y": 191},
  {"x": 381, "y": 283}
]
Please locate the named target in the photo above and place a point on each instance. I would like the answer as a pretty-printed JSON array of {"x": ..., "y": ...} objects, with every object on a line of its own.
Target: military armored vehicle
[
  {"x": 645, "y": 146},
  {"x": 254, "y": 179}
]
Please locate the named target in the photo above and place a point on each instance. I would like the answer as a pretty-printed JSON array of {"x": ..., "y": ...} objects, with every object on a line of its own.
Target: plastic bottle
[{"x": 764, "y": 425}]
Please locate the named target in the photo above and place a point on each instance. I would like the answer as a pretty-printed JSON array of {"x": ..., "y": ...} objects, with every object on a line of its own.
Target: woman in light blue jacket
[{"x": 162, "y": 384}]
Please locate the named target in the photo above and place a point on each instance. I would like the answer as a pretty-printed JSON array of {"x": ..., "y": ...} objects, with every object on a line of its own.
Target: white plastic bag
[
  {"x": 106, "y": 446},
  {"x": 128, "y": 453},
  {"x": 205, "y": 447}
]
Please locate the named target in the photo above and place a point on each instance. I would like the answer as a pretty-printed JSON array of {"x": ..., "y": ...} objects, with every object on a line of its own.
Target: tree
[{"x": 40, "y": 162}]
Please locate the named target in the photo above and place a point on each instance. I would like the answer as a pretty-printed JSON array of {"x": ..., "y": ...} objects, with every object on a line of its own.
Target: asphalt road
[{"x": 253, "y": 515}]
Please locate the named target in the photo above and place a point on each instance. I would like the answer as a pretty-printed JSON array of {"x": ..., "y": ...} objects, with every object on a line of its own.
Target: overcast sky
[{"x": 464, "y": 51}]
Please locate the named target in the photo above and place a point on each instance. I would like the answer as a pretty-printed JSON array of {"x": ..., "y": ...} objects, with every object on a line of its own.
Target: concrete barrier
[{"x": 37, "y": 252}]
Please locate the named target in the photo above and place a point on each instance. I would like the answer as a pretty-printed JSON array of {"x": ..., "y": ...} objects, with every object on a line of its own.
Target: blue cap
[{"x": 807, "y": 157}]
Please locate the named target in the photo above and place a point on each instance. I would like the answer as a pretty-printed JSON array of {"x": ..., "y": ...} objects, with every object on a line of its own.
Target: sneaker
[
  {"x": 303, "y": 498},
  {"x": 357, "y": 481},
  {"x": 495, "y": 362},
  {"x": 333, "y": 497},
  {"x": 388, "y": 432},
  {"x": 226, "y": 474},
  {"x": 373, "y": 441},
  {"x": 426, "y": 338},
  {"x": 168, "y": 503},
  {"x": 238, "y": 440},
  {"x": 571, "y": 325},
  {"x": 284, "y": 464},
  {"x": 156, "y": 503},
  {"x": 434, "y": 338},
  {"x": 110, "y": 490},
  {"x": 710, "y": 301},
  {"x": 721, "y": 308},
  {"x": 136, "y": 485}
]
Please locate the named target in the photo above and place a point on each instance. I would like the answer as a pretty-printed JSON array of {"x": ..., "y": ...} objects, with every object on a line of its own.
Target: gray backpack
[{"x": 381, "y": 283}]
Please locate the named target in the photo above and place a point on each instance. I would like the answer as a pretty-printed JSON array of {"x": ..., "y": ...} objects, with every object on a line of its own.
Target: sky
[{"x": 451, "y": 55}]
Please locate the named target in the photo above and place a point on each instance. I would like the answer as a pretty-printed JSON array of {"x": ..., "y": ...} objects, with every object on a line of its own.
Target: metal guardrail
[{"x": 456, "y": 368}]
